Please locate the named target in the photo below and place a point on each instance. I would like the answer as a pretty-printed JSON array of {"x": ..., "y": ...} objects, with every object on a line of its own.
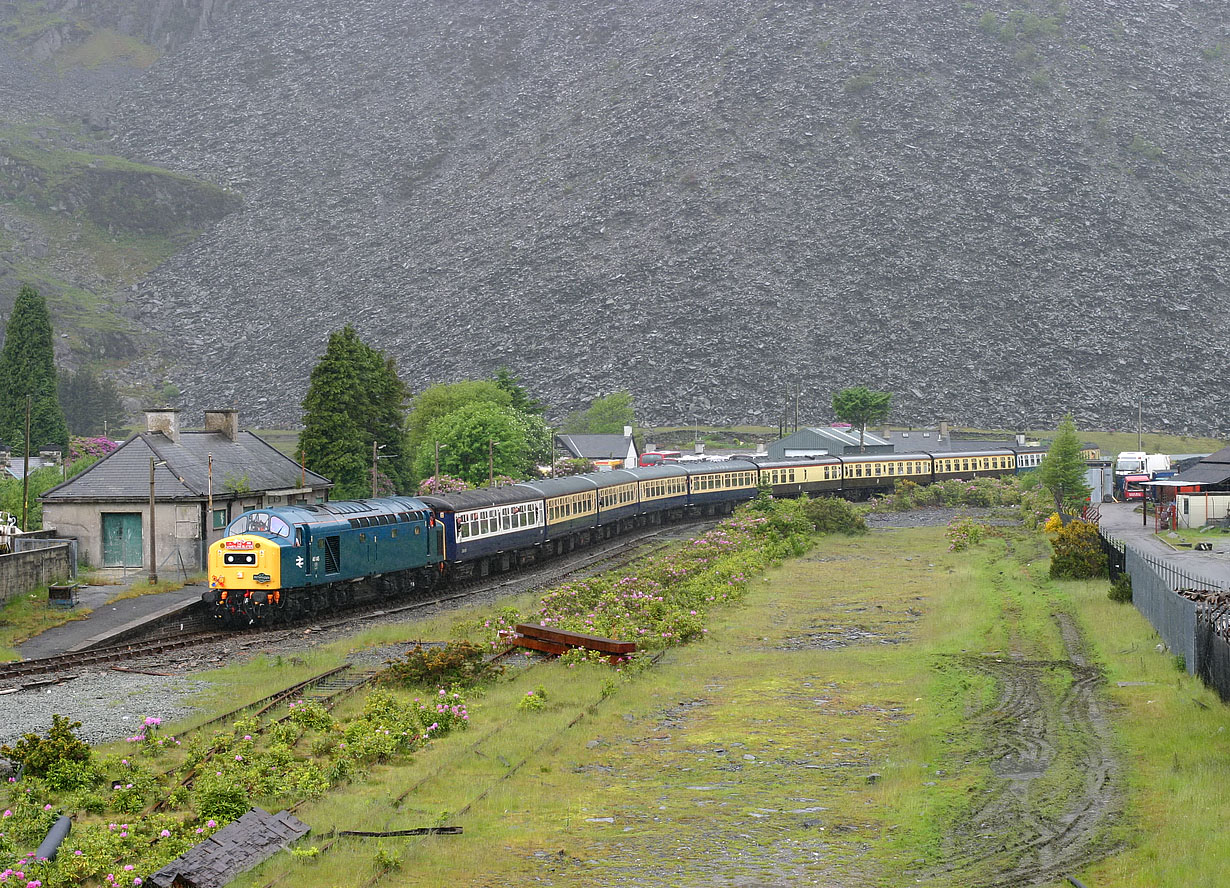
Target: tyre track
[{"x": 1046, "y": 724}]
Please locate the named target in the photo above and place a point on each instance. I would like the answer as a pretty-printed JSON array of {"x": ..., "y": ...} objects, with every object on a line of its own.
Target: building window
[{"x": 219, "y": 519}]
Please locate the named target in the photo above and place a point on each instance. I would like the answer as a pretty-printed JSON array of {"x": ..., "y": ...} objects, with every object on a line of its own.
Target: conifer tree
[
  {"x": 355, "y": 399},
  {"x": 1062, "y": 470},
  {"x": 27, "y": 370},
  {"x": 92, "y": 406}
]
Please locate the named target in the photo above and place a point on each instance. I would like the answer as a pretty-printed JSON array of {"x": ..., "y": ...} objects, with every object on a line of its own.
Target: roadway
[{"x": 1124, "y": 521}]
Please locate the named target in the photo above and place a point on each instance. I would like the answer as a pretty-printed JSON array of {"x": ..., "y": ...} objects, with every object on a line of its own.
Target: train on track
[{"x": 289, "y": 562}]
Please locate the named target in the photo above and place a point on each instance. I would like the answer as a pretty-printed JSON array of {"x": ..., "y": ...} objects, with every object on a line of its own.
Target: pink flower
[
  {"x": 211, "y": 823},
  {"x": 165, "y": 833}
]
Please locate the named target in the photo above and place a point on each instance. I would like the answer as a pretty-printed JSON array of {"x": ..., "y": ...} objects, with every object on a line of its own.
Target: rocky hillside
[{"x": 999, "y": 211}]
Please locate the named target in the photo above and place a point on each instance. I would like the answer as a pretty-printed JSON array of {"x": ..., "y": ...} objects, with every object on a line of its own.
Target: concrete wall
[{"x": 22, "y": 571}]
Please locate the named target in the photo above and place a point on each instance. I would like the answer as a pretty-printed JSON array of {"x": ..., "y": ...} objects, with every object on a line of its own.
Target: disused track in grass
[
  {"x": 328, "y": 688},
  {"x": 473, "y": 747}
]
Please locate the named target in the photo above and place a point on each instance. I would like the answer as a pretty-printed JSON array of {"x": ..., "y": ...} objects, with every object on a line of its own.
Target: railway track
[
  {"x": 104, "y": 655},
  {"x": 48, "y": 670}
]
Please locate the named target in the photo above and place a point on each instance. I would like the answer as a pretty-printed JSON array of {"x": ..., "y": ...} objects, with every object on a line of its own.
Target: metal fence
[
  {"x": 1197, "y": 632},
  {"x": 1212, "y": 649}
]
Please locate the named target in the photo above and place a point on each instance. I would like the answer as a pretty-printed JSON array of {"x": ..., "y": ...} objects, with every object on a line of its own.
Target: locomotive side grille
[{"x": 331, "y": 554}]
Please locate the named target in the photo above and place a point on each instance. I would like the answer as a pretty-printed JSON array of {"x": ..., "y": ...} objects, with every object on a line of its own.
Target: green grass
[
  {"x": 105, "y": 46},
  {"x": 1174, "y": 737},
  {"x": 24, "y": 616},
  {"x": 764, "y": 754}
]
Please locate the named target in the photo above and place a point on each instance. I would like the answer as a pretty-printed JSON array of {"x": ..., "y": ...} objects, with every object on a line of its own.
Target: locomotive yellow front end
[{"x": 245, "y": 578}]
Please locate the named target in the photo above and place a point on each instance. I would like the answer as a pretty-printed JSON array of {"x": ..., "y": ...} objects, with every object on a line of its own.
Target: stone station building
[{"x": 198, "y": 481}]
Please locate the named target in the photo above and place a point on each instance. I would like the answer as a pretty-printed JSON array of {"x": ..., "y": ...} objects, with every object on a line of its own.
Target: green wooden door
[{"x": 122, "y": 539}]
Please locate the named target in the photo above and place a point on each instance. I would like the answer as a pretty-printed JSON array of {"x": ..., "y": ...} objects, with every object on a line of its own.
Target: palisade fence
[{"x": 1197, "y": 631}]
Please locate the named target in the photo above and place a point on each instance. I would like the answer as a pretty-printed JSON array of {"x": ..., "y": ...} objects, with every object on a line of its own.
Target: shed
[
  {"x": 814, "y": 441},
  {"x": 1211, "y": 474},
  {"x": 200, "y": 481},
  {"x": 622, "y": 447}
]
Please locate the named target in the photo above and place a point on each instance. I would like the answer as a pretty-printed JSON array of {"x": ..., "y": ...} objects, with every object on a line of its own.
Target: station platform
[{"x": 109, "y": 621}]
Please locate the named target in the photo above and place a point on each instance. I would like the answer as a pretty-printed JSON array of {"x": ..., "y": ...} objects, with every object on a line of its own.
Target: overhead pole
[
  {"x": 797, "y": 385},
  {"x": 153, "y": 533},
  {"x": 25, "y": 473}
]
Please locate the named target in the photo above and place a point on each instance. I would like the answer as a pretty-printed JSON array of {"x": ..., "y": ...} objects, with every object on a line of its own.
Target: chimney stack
[
  {"x": 225, "y": 421},
  {"x": 165, "y": 420},
  {"x": 943, "y": 430}
]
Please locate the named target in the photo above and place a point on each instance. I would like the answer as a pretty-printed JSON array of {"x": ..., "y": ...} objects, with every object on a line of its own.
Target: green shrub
[
  {"x": 220, "y": 798},
  {"x": 41, "y": 754},
  {"x": 458, "y": 662},
  {"x": 67, "y": 776},
  {"x": 829, "y": 514},
  {"x": 533, "y": 701},
  {"x": 1078, "y": 553},
  {"x": 1121, "y": 589}
]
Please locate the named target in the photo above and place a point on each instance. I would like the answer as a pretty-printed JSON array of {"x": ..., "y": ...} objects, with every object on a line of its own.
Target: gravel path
[
  {"x": 110, "y": 705},
  {"x": 938, "y": 516}
]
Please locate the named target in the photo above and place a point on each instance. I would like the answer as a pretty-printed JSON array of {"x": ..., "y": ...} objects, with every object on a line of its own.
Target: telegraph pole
[
  {"x": 25, "y": 473},
  {"x": 153, "y": 534}
]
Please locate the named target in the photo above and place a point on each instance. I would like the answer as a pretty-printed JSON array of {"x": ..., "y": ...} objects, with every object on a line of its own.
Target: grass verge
[{"x": 24, "y": 616}]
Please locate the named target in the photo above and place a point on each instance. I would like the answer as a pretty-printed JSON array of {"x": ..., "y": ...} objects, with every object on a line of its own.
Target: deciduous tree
[
  {"x": 355, "y": 398},
  {"x": 465, "y": 436},
  {"x": 27, "y": 370},
  {"x": 608, "y": 415},
  {"x": 859, "y": 406},
  {"x": 440, "y": 400}
]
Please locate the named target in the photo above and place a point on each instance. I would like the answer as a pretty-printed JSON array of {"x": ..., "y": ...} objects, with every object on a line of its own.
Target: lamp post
[
  {"x": 436, "y": 476},
  {"x": 375, "y": 457},
  {"x": 491, "y": 444}
]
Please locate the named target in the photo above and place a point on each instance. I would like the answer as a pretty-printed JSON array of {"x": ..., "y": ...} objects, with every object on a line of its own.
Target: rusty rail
[{"x": 559, "y": 641}]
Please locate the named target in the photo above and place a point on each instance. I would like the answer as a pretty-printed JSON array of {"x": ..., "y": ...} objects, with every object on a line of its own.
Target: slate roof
[
  {"x": 236, "y": 848},
  {"x": 812, "y": 439},
  {"x": 123, "y": 475},
  {"x": 597, "y": 446},
  {"x": 1213, "y": 469},
  {"x": 16, "y": 468}
]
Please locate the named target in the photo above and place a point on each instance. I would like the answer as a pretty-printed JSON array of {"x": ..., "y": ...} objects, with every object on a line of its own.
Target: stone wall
[{"x": 22, "y": 571}]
